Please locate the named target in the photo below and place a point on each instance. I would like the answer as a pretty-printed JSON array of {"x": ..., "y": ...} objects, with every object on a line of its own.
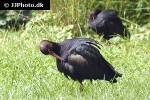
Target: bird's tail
[
  {"x": 118, "y": 74},
  {"x": 113, "y": 74}
]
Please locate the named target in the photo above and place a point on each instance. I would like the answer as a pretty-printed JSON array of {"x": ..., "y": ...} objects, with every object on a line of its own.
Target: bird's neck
[{"x": 57, "y": 48}]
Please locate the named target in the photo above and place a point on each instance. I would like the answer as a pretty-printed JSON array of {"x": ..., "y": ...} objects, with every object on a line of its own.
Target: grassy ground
[{"x": 27, "y": 74}]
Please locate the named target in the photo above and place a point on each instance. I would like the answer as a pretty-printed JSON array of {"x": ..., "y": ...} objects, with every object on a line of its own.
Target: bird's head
[
  {"x": 48, "y": 47},
  {"x": 94, "y": 13}
]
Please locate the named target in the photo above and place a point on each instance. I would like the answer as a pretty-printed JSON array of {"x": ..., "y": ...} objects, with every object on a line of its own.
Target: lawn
[{"x": 28, "y": 74}]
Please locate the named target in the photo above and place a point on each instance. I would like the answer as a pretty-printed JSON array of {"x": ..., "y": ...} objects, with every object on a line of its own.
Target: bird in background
[
  {"x": 108, "y": 23},
  {"x": 80, "y": 59}
]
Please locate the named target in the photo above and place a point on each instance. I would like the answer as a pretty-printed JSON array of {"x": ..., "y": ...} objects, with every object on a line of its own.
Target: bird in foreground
[
  {"x": 108, "y": 23},
  {"x": 80, "y": 59}
]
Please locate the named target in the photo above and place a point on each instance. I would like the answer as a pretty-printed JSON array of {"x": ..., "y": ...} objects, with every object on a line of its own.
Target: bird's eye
[{"x": 92, "y": 18}]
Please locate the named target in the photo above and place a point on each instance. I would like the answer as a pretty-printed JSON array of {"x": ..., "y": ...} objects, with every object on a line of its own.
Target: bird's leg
[
  {"x": 91, "y": 81},
  {"x": 81, "y": 87}
]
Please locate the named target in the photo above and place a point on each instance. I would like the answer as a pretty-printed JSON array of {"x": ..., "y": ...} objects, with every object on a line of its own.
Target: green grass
[{"x": 27, "y": 74}]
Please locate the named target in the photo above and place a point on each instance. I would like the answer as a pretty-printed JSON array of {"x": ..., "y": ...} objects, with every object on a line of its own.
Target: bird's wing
[
  {"x": 84, "y": 61},
  {"x": 87, "y": 59},
  {"x": 88, "y": 52},
  {"x": 69, "y": 47},
  {"x": 83, "y": 52},
  {"x": 106, "y": 14},
  {"x": 84, "y": 57}
]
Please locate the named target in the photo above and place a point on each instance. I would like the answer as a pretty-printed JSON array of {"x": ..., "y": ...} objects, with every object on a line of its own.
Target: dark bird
[
  {"x": 108, "y": 23},
  {"x": 80, "y": 59}
]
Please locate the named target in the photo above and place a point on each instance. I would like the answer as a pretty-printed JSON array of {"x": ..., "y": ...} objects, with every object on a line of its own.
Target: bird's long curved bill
[{"x": 55, "y": 55}]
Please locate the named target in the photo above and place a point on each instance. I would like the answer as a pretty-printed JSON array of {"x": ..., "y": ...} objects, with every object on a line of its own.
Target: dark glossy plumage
[
  {"x": 80, "y": 59},
  {"x": 108, "y": 23}
]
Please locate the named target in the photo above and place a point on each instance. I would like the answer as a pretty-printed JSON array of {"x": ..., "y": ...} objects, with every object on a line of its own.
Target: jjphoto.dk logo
[{"x": 15, "y": 5}]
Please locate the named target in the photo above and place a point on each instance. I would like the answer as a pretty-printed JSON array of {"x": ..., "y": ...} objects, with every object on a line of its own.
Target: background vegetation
[{"x": 25, "y": 73}]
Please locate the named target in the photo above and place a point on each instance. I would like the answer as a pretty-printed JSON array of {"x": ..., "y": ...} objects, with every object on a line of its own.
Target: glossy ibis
[
  {"x": 80, "y": 59},
  {"x": 108, "y": 23}
]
